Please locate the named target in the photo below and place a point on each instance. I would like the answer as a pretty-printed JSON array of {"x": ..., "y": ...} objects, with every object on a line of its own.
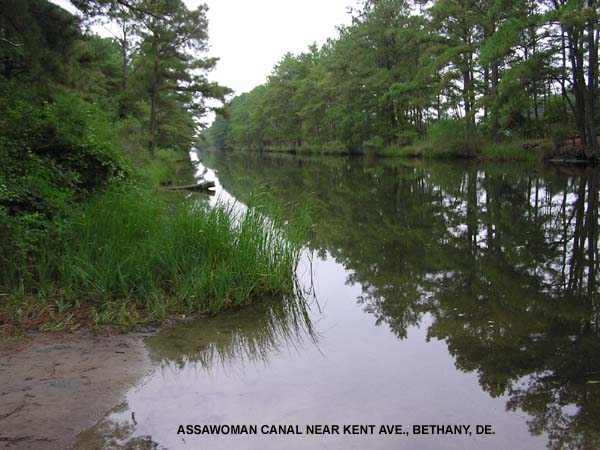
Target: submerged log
[{"x": 203, "y": 186}]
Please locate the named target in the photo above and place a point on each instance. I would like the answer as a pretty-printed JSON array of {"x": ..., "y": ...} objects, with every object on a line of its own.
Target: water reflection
[
  {"x": 504, "y": 261},
  {"x": 236, "y": 338}
]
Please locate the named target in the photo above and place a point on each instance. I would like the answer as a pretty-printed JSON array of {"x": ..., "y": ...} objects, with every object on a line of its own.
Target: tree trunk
[
  {"x": 563, "y": 88},
  {"x": 153, "y": 111},
  {"x": 125, "y": 56},
  {"x": 486, "y": 90},
  {"x": 591, "y": 149},
  {"x": 494, "y": 92},
  {"x": 466, "y": 71},
  {"x": 592, "y": 227},
  {"x": 576, "y": 57}
]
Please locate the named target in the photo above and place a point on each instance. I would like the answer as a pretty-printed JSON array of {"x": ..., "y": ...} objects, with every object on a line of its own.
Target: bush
[
  {"x": 51, "y": 156},
  {"x": 333, "y": 147},
  {"x": 453, "y": 138},
  {"x": 132, "y": 138},
  {"x": 407, "y": 137},
  {"x": 558, "y": 121},
  {"x": 411, "y": 151},
  {"x": 161, "y": 170},
  {"x": 373, "y": 144}
]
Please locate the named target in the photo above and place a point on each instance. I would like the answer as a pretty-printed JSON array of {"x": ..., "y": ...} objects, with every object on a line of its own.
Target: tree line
[{"x": 483, "y": 69}]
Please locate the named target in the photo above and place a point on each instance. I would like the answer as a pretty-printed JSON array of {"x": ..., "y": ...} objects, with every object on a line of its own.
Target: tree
[
  {"x": 170, "y": 63},
  {"x": 173, "y": 38},
  {"x": 497, "y": 66},
  {"x": 36, "y": 40},
  {"x": 577, "y": 20}
]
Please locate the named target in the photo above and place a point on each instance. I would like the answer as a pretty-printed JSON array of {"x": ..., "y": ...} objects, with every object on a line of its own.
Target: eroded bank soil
[{"x": 53, "y": 386}]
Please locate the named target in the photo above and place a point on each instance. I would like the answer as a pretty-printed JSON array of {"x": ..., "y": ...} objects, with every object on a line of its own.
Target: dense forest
[
  {"x": 444, "y": 77},
  {"x": 89, "y": 127}
]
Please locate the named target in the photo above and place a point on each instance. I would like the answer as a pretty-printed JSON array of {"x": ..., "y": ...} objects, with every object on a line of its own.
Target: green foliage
[
  {"x": 172, "y": 69},
  {"x": 73, "y": 108},
  {"x": 129, "y": 251},
  {"x": 447, "y": 139},
  {"x": 411, "y": 151},
  {"x": 96, "y": 72},
  {"x": 132, "y": 137},
  {"x": 558, "y": 129},
  {"x": 53, "y": 155},
  {"x": 162, "y": 169},
  {"x": 374, "y": 143},
  {"x": 37, "y": 41},
  {"x": 507, "y": 151},
  {"x": 395, "y": 72},
  {"x": 407, "y": 137}
]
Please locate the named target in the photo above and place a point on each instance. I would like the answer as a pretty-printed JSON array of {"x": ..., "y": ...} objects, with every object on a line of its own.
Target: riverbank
[
  {"x": 519, "y": 150},
  {"x": 132, "y": 256},
  {"x": 54, "y": 386}
]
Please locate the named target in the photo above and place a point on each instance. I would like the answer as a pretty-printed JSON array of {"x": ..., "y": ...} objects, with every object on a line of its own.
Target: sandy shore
[{"x": 54, "y": 386}]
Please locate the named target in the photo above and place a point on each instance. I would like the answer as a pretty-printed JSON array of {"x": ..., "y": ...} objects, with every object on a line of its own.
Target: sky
[{"x": 250, "y": 37}]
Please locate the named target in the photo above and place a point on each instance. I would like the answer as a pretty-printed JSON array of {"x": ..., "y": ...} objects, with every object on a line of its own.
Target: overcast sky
[{"x": 250, "y": 37}]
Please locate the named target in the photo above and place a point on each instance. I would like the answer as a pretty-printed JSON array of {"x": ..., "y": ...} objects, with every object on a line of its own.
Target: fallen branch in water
[{"x": 204, "y": 186}]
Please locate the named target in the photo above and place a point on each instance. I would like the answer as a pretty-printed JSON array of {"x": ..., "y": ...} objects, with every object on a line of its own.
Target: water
[{"x": 442, "y": 294}]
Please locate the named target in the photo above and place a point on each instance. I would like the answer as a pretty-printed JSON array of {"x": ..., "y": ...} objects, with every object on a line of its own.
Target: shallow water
[{"x": 436, "y": 294}]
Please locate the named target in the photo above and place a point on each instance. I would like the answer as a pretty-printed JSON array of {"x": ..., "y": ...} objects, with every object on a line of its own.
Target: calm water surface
[{"x": 458, "y": 294}]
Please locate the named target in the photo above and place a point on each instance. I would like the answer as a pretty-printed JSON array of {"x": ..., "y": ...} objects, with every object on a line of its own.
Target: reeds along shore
[{"x": 130, "y": 256}]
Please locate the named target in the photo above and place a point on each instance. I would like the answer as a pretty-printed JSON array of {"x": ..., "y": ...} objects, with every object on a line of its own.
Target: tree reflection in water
[{"x": 503, "y": 259}]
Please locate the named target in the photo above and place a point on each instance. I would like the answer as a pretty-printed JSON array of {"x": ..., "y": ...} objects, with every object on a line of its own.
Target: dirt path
[{"x": 52, "y": 387}]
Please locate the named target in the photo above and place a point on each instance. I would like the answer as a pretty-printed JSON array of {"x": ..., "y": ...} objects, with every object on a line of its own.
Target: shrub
[
  {"x": 51, "y": 155},
  {"x": 407, "y": 137},
  {"x": 373, "y": 144},
  {"x": 455, "y": 138}
]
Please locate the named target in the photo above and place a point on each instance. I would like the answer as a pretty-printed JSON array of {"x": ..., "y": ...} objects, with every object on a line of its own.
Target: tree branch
[
  {"x": 10, "y": 43},
  {"x": 128, "y": 5}
]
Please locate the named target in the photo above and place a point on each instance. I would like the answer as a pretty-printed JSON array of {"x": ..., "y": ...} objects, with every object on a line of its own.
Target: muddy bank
[{"x": 52, "y": 387}]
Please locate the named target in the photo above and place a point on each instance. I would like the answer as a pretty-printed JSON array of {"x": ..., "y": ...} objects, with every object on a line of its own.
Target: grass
[
  {"x": 410, "y": 151},
  {"x": 458, "y": 139},
  {"x": 130, "y": 257},
  {"x": 478, "y": 148},
  {"x": 507, "y": 151},
  {"x": 326, "y": 148},
  {"x": 163, "y": 168}
]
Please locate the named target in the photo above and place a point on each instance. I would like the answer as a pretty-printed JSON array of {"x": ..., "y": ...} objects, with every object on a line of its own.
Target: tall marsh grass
[
  {"x": 129, "y": 255},
  {"x": 507, "y": 151}
]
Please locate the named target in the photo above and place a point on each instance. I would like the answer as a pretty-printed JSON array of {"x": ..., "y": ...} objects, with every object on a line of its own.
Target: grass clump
[
  {"x": 129, "y": 257},
  {"x": 162, "y": 169},
  {"x": 507, "y": 151},
  {"x": 452, "y": 139}
]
